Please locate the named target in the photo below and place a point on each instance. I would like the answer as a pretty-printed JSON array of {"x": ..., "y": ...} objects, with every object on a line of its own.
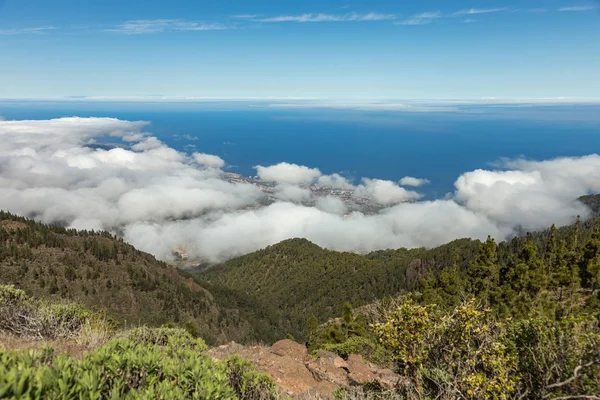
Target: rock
[
  {"x": 291, "y": 349},
  {"x": 325, "y": 368},
  {"x": 301, "y": 377},
  {"x": 340, "y": 363},
  {"x": 334, "y": 359},
  {"x": 292, "y": 376},
  {"x": 359, "y": 370}
]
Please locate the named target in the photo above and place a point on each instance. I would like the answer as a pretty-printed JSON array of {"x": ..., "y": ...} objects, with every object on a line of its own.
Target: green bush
[
  {"x": 176, "y": 338},
  {"x": 144, "y": 363},
  {"x": 365, "y": 346},
  {"x": 246, "y": 382},
  {"x": 467, "y": 351}
]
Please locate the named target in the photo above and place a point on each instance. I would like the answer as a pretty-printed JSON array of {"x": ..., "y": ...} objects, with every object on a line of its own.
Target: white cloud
[
  {"x": 292, "y": 174},
  {"x": 245, "y": 16},
  {"x": 533, "y": 193},
  {"x": 335, "y": 181},
  {"x": 578, "y": 8},
  {"x": 137, "y": 27},
  {"x": 411, "y": 181},
  {"x": 421, "y": 19},
  {"x": 405, "y": 225},
  {"x": 331, "y": 204},
  {"x": 293, "y": 193},
  {"x": 161, "y": 199},
  {"x": 473, "y": 11},
  {"x": 319, "y": 17},
  {"x": 41, "y": 30},
  {"x": 49, "y": 172},
  {"x": 414, "y": 21},
  {"x": 209, "y": 160},
  {"x": 429, "y": 15},
  {"x": 385, "y": 192}
]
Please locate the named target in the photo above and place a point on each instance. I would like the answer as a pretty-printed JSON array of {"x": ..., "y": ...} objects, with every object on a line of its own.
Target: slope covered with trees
[
  {"x": 296, "y": 278},
  {"x": 99, "y": 270},
  {"x": 522, "y": 326}
]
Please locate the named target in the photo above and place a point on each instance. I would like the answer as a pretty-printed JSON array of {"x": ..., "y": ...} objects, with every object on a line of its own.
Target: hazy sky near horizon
[{"x": 326, "y": 48}]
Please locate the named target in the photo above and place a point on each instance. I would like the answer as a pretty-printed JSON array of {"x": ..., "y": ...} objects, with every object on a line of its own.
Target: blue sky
[{"x": 325, "y": 48}]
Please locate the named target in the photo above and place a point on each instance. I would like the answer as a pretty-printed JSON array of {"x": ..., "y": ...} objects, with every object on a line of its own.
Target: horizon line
[{"x": 313, "y": 100}]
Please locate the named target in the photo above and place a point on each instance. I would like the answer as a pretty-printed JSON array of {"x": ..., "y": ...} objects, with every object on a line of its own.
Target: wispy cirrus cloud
[
  {"x": 320, "y": 17},
  {"x": 413, "y": 21},
  {"x": 245, "y": 16},
  {"x": 473, "y": 11},
  {"x": 578, "y": 8},
  {"x": 137, "y": 27},
  {"x": 429, "y": 15},
  {"x": 421, "y": 19},
  {"x": 42, "y": 30}
]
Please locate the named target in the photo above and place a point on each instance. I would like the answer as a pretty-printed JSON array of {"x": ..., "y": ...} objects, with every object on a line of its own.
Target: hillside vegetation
[
  {"x": 296, "y": 278},
  {"x": 101, "y": 271},
  {"x": 472, "y": 320},
  {"x": 522, "y": 326},
  {"x": 292, "y": 280}
]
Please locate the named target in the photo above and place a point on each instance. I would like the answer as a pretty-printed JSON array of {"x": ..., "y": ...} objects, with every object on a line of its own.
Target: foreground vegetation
[
  {"x": 143, "y": 363},
  {"x": 522, "y": 326}
]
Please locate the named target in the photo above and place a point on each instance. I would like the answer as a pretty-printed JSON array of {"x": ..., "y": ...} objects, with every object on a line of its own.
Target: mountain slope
[
  {"x": 100, "y": 270},
  {"x": 295, "y": 279}
]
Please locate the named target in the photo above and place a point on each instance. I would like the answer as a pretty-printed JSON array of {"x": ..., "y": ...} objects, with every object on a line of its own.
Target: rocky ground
[
  {"x": 304, "y": 377},
  {"x": 298, "y": 374}
]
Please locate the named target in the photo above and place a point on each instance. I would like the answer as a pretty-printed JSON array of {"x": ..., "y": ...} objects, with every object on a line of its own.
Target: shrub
[
  {"x": 26, "y": 317},
  {"x": 191, "y": 326},
  {"x": 143, "y": 363},
  {"x": 365, "y": 346},
  {"x": 175, "y": 338},
  {"x": 467, "y": 352},
  {"x": 246, "y": 382}
]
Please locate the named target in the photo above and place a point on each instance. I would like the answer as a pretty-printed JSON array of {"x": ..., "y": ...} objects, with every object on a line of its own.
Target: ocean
[{"x": 438, "y": 146}]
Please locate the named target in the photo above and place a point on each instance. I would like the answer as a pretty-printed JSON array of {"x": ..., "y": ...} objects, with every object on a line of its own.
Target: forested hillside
[
  {"x": 525, "y": 325},
  {"x": 294, "y": 279},
  {"x": 261, "y": 296},
  {"x": 99, "y": 270}
]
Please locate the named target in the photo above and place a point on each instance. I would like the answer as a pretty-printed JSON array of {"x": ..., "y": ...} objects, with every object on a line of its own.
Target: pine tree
[
  {"x": 483, "y": 271},
  {"x": 311, "y": 335},
  {"x": 591, "y": 261}
]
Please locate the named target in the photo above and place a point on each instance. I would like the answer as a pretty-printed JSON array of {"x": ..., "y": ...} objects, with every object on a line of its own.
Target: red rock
[
  {"x": 359, "y": 370},
  {"x": 291, "y": 349},
  {"x": 291, "y": 376},
  {"x": 324, "y": 369}
]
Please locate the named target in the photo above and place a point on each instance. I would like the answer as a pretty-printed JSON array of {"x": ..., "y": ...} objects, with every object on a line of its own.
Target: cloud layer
[
  {"x": 320, "y": 17},
  {"x": 137, "y": 27},
  {"x": 159, "y": 198}
]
